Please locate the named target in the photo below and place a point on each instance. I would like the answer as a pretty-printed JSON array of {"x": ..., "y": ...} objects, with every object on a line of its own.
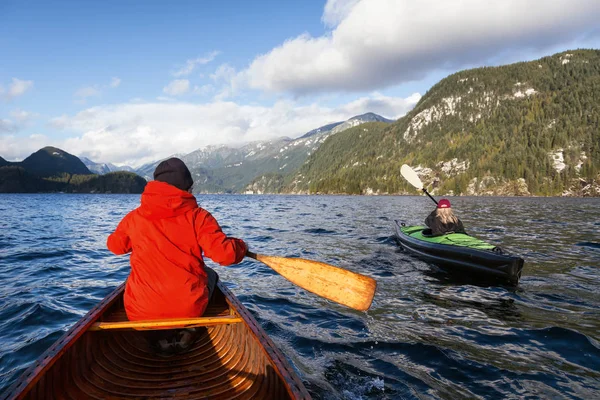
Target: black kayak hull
[{"x": 482, "y": 263}]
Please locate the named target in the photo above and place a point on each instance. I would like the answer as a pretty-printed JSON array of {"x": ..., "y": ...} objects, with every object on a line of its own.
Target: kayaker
[
  {"x": 442, "y": 220},
  {"x": 167, "y": 237}
]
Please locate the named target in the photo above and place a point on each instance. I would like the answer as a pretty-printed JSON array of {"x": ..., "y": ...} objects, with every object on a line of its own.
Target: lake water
[{"x": 426, "y": 336}]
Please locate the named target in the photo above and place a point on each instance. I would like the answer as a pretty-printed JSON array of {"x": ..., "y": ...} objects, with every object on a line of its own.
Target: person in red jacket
[{"x": 167, "y": 237}]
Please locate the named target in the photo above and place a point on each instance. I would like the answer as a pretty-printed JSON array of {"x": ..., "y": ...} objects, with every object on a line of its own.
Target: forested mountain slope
[
  {"x": 51, "y": 161},
  {"x": 531, "y": 128}
]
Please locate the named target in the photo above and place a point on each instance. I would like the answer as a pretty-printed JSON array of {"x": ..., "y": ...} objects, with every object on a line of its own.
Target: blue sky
[{"x": 134, "y": 81}]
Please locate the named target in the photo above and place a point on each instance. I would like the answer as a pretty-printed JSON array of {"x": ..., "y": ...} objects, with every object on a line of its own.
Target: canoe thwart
[{"x": 167, "y": 323}]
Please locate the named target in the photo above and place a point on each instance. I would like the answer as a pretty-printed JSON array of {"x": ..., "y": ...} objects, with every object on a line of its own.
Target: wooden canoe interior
[{"x": 228, "y": 361}]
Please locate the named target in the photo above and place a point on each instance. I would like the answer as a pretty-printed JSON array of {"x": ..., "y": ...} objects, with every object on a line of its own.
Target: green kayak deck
[{"x": 452, "y": 239}]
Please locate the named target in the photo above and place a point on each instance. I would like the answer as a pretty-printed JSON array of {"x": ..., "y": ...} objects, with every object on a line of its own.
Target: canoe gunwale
[
  {"x": 485, "y": 262},
  {"x": 34, "y": 372},
  {"x": 294, "y": 386}
]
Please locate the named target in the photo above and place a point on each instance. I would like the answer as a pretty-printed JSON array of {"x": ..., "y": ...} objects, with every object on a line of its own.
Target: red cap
[{"x": 443, "y": 203}]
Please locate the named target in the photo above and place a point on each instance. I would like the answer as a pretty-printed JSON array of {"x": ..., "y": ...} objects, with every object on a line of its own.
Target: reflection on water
[{"x": 427, "y": 335}]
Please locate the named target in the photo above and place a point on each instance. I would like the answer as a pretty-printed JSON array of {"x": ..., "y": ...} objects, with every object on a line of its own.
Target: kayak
[
  {"x": 459, "y": 252},
  {"x": 106, "y": 356}
]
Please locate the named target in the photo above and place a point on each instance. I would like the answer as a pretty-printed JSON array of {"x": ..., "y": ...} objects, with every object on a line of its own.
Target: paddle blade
[
  {"x": 411, "y": 176},
  {"x": 336, "y": 284}
]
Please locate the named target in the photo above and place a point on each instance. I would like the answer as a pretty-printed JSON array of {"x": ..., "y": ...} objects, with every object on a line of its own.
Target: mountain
[
  {"x": 340, "y": 126},
  {"x": 232, "y": 169},
  {"x": 54, "y": 170},
  {"x": 112, "y": 182},
  {"x": 214, "y": 157},
  {"x": 371, "y": 117},
  {"x": 3, "y": 162},
  {"x": 224, "y": 169},
  {"x": 103, "y": 168},
  {"x": 358, "y": 120},
  {"x": 227, "y": 169},
  {"x": 530, "y": 128},
  {"x": 15, "y": 179},
  {"x": 147, "y": 170},
  {"x": 322, "y": 129},
  {"x": 51, "y": 161}
]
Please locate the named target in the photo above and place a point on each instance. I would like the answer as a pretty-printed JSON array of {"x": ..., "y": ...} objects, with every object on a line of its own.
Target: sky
[{"x": 131, "y": 82}]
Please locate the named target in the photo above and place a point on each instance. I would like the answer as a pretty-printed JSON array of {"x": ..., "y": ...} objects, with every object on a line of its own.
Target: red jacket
[{"x": 166, "y": 236}]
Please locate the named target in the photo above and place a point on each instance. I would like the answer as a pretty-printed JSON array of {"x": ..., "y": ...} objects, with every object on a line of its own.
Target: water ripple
[{"x": 428, "y": 335}]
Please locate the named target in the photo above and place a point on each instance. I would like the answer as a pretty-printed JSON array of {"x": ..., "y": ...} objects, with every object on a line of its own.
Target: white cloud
[
  {"x": 177, "y": 87},
  {"x": 225, "y": 72},
  {"x": 378, "y": 43},
  {"x": 389, "y": 107},
  {"x": 19, "y": 119},
  {"x": 162, "y": 98},
  {"x": 203, "y": 90},
  {"x": 87, "y": 91},
  {"x": 17, "y": 88},
  {"x": 17, "y": 148},
  {"x": 336, "y": 11},
  {"x": 191, "y": 64},
  {"x": 114, "y": 82},
  {"x": 22, "y": 115},
  {"x": 225, "y": 77},
  {"x": 136, "y": 133},
  {"x": 7, "y": 126}
]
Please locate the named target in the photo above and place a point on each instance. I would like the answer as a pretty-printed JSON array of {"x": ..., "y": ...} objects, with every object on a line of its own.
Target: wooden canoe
[{"x": 102, "y": 357}]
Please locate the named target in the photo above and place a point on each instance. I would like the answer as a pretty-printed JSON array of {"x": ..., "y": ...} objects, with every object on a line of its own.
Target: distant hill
[
  {"x": 371, "y": 117},
  {"x": 103, "y": 168},
  {"x": 530, "y": 128},
  {"x": 54, "y": 170},
  {"x": 147, "y": 170},
  {"x": 343, "y": 125},
  {"x": 233, "y": 169},
  {"x": 275, "y": 181},
  {"x": 324, "y": 128},
  {"x": 112, "y": 182},
  {"x": 3, "y": 162},
  {"x": 15, "y": 179},
  {"x": 51, "y": 161},
  {"x": 224, "y": 169},
  {"x": 360, "y": 119},
  {"x": 294, "y": 153}
]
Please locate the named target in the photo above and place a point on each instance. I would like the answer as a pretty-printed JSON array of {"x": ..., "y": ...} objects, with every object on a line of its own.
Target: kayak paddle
[
  {"x": 411, "y": 176},
  {"x": 336, "y": 284}
]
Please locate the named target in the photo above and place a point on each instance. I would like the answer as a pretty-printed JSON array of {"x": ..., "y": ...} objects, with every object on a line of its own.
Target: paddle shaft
[{"x": 427, "y": 193}]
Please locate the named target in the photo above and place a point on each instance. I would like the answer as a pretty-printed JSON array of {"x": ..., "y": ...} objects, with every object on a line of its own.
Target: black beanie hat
[{"x": 174, "y": 172}]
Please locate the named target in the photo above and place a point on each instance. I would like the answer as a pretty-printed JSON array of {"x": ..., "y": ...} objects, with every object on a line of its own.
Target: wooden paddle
[
  {"x": 411, "y": 176},
  {"x": 336, "y": 284}
]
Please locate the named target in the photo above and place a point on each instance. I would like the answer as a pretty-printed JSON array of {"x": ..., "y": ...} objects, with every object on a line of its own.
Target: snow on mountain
[
  {"x": 226, "y": 168},
  {"x": 103, "y": 168}
]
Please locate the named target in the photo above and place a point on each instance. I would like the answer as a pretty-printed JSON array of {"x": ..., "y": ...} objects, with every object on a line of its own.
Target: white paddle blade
[
  {"x": 336, "y": 284},
  {"x": 411, "y": 176}
]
